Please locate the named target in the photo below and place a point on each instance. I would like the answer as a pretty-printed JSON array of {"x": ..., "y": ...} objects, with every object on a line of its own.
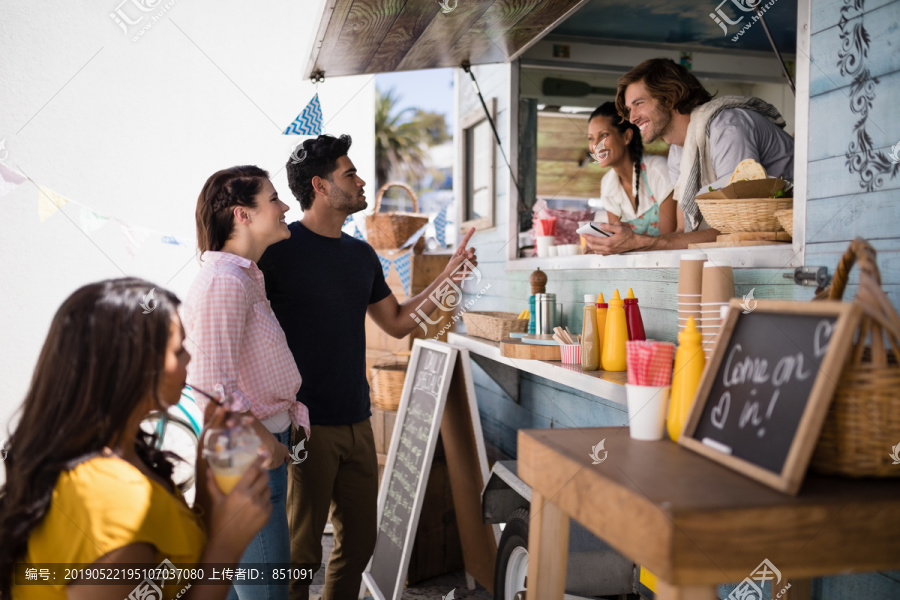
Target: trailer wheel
[{"x": 512, "y": 557}]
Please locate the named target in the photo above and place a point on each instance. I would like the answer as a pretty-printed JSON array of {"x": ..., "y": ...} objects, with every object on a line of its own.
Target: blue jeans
[{"x": 271, "y": 545}]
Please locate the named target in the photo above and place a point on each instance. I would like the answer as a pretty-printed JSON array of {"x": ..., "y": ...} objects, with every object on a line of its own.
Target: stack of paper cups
[
  {"x": 690, "y": 280},
  {"x": 718, "y": 289}
]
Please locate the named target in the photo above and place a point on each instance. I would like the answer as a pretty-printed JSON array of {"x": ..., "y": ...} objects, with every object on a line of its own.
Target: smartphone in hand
[{"x": 592, "y": 229}]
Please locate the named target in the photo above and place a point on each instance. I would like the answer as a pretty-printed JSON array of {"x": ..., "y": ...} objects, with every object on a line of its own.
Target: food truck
[{"x": 528, "y": 74}]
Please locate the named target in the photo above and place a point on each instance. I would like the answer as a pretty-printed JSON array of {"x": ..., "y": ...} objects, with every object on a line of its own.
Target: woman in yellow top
[{"x": 85, "y": 486}]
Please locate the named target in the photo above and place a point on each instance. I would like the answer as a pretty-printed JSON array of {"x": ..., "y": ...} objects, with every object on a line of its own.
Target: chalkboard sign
[
  {"x": 408, "y": 465},
  {"x": 765, "y": 393}
]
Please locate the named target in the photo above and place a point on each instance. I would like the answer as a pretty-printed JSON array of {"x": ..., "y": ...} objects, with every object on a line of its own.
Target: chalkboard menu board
[
  {"x": 766, "y": 390},
  {"x": 408, "y": 465}
]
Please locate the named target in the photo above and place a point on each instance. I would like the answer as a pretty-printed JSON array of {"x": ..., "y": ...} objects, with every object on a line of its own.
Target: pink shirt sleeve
[{"x": 219, "y": 318}]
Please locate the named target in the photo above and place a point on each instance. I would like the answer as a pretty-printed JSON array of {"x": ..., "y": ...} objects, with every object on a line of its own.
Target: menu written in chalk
[
  {"x": 419, "y": 424},
  {"x": 762, "y": 386}
]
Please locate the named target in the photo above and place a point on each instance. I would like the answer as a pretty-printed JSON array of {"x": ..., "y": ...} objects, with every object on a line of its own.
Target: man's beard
[
  {"x": 659, "y": 120},
  {"x": 341, "y": 200}
]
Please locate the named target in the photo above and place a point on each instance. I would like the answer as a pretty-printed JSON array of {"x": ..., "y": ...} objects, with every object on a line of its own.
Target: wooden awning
[{"x": 379, "y": 36}]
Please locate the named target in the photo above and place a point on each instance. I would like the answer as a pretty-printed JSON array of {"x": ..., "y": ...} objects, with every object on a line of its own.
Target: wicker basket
[
  {"x": 385, "y": 231},
  {"x": 786, "y": 219},
  {"x": 863, "y": 421},
  {"x": 494, "y": 326},
  {"x": 735, "y": 215},
  {"x": 387, "y": 382}
]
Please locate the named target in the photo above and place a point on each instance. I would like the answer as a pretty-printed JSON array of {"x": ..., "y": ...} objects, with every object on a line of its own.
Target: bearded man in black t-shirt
[{"x": 321, "y": 284}]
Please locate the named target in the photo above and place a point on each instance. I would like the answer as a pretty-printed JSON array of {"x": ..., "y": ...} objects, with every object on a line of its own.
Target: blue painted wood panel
[
  {"x": 881, "y": 23},
  {"x": 832, "y": 122}
]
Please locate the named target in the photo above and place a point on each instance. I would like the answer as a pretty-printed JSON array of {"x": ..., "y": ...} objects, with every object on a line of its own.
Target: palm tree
[{"x": 401, "y": 139}]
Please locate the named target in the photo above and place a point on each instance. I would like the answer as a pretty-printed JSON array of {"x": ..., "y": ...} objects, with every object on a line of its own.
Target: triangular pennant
[
  {"x": 308, "y": 122},
  {"x": 440, "y": 227},
  {"x": 91, "y": 221},
  {"x": 385, "y": 264},
  {"x": 347, "y": 221},
  {"x": 9, "y": 179},
  {"x": 49, "y": 202},
  {"x": 403, "y": 266},
  {"x": 134, "y": 238},
  {"x": 358, "y": 234},
  {"x": 415, "y": 237}
]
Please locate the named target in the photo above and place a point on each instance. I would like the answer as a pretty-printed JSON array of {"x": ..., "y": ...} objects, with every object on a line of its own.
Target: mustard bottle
[
  {"x": 689, "y": 363},
  {"x": 602, "y": 308},
  {"x": 590, "y": 342},
  {"x": 615, "y": 335}
]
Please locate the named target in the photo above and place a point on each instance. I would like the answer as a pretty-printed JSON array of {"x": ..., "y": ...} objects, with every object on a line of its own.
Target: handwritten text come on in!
[{"x": 740, "y": 369}]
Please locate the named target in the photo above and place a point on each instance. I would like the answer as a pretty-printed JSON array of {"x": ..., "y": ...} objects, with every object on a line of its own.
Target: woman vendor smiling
[{"x": 636, "y": 190}]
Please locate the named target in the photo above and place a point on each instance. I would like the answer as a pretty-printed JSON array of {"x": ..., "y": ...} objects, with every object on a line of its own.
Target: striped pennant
[
  {"x": 403, "y": 266},
  {"x": 440, "y": 227},
  {"x": 308, "y": 122},
  {"x": 385, "y": 265}
]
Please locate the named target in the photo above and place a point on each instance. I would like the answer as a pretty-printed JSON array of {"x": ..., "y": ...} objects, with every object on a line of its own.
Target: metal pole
[{"x": 775, "y": 48}]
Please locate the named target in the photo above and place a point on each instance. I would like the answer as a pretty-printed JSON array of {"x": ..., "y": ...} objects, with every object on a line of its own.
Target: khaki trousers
[{"x": 340, "y": 474}]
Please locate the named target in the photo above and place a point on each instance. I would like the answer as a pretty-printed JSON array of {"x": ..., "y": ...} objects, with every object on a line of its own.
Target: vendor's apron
[{"x": 647, "y": 223}]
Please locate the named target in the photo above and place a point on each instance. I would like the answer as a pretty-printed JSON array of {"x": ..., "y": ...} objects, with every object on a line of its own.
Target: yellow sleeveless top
[{"x": 103, "y": 504}]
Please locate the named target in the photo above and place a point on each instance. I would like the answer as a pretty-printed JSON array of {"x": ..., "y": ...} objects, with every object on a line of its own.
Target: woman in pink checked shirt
[{"x": 236, "y": 340}]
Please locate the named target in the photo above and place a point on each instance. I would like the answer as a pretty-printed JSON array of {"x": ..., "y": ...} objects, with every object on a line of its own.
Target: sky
[{"x": 431, "y": 90}]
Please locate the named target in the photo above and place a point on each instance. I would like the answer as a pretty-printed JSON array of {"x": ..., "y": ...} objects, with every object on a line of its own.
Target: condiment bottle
[
  {"x": 633, "y": 318},
  {"x": 689, "y": 362},
  {"x": 602, "y": 308},
  {"x": 615, "y": 336},
  {"x": 590, "y": 339},
  {"x": 538, "y": 282}
]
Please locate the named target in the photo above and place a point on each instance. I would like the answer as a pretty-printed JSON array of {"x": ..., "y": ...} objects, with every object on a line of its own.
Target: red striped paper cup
[{"x": 570, "y": 353}]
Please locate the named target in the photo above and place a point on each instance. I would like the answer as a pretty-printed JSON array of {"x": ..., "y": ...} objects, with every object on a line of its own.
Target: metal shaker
[{"x": 547, "y": 313}]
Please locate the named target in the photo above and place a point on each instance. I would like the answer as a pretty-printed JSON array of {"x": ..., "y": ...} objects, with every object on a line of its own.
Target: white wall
[{"x": 132, "y": 130}]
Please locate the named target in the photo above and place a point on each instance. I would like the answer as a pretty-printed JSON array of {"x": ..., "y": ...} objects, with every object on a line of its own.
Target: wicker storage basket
[
  {"x": 735, "y": 215},
  {"x": 387, "y": 382},
  {"x": 494, "y": 326},
  {"x": 786, "y": 219},
  {"x": 385, "y": 231},
  {"x": 863, "y": 421}
]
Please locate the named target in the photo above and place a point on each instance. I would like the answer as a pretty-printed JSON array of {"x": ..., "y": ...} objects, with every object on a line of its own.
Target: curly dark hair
[
  {"x": 314, "y": 158},
  {"x": 668, "y": 82},
  {"x": 102, "y": 357},
  {"x": 225, "y": 189},
  {"x": 635, "y": 146}
]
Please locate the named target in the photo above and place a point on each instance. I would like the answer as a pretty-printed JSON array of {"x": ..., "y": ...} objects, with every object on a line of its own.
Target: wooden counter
[
  {"x": 605, "y": 384},
  {"x": 693, "y": 522}
]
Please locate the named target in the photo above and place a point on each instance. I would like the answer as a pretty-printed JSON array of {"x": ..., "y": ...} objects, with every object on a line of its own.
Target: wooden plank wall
[
  {"x": 561, "y": 146},
  {"x": 839, "y": 207}
]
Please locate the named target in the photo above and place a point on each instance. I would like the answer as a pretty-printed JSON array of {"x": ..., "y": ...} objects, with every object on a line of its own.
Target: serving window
[{"x": 556, "y": 171}]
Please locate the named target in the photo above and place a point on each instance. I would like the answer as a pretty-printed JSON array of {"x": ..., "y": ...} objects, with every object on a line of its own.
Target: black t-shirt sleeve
[{"x": 380, "y": 289}]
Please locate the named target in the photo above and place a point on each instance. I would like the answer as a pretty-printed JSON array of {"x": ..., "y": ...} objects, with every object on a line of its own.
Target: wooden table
[{"x": 693, "y": 522}]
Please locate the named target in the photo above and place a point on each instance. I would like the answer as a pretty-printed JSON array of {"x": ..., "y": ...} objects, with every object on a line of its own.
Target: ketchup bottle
[{"x": 633, "y": 318}]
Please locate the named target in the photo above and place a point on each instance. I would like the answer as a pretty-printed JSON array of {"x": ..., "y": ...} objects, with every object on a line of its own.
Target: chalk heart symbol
[
  {"x": 822, "y": 337},
  {"x": 720, "y": 411}
]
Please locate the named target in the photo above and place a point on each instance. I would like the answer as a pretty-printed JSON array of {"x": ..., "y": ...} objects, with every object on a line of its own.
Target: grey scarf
[{"x": 696, "y": 163}]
